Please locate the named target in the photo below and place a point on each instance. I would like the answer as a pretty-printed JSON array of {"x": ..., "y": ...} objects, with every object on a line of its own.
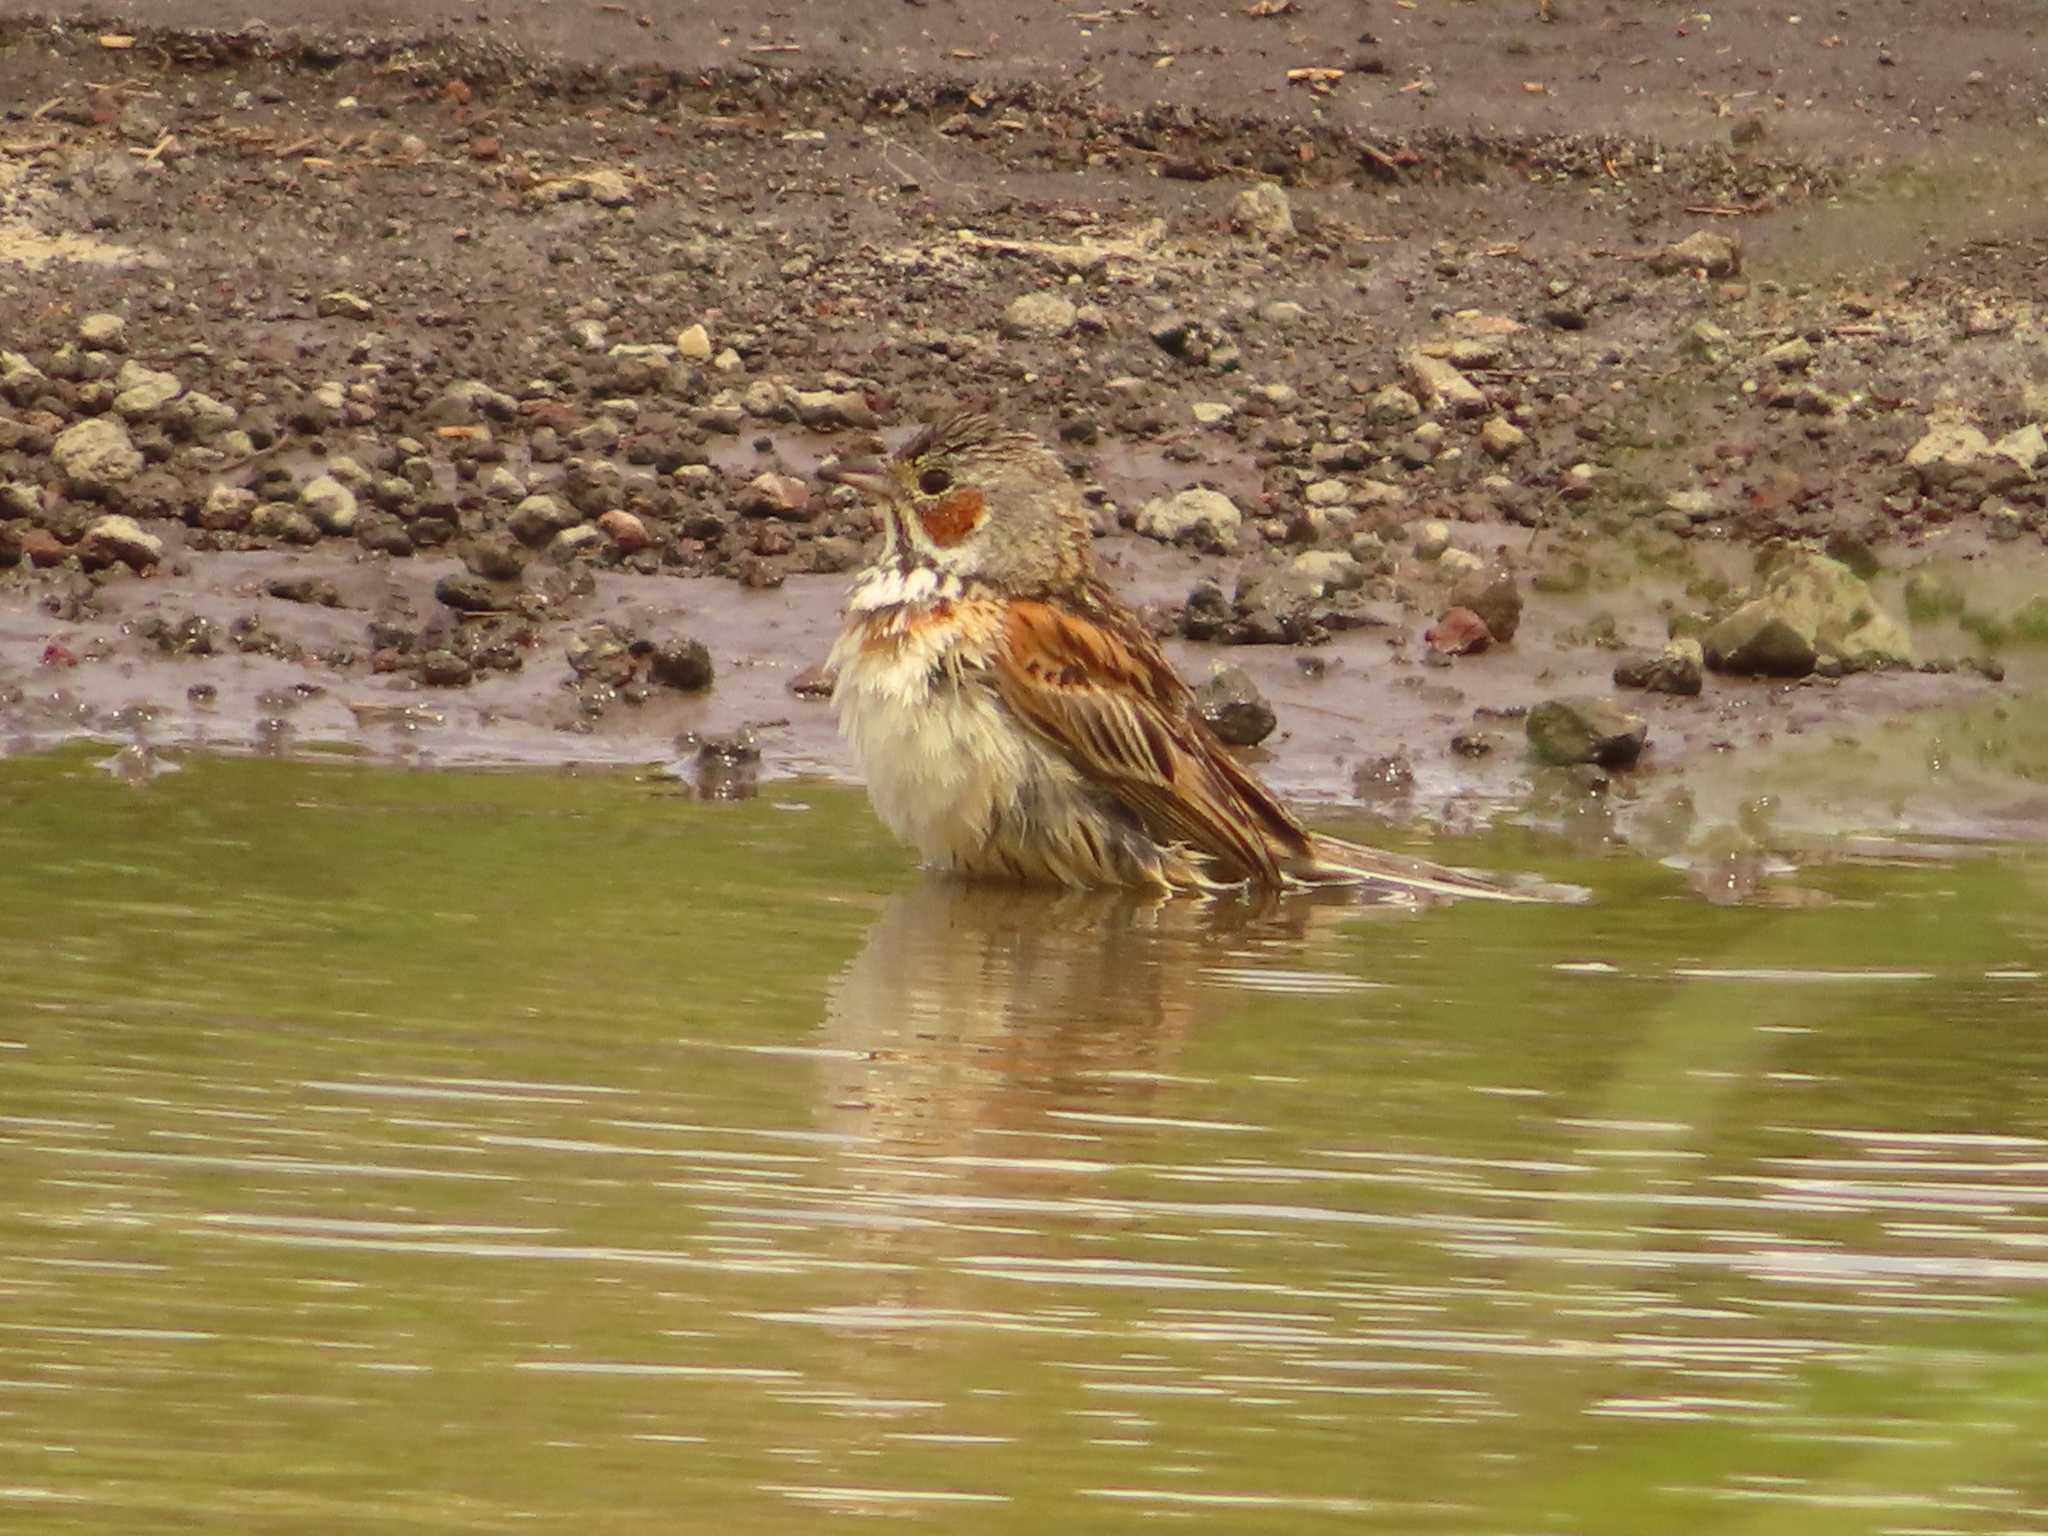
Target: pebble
[
  {"x": 330, "y": 504},
  {"x": 343, "y": 305},
  {"x": 1459, "y": 632},
  {"x": 1675, "y": 670},
  {"x": 1716, "y": 254},
  {"x": 693, "y": 343},
  {"x": 1204, "y": 517},
  {"x": 1212, "y": 413},
  {"x": 467, "y": 593},
  {"x": 1586, "y": 730},
  {"x": 1495, "y": 596},
  {"x": 625, "y": 531},
  {"x": 1501, "y": 438},
  {"x": 1440, "y": 384},
  {"x": 444, "y": 669},
  {"x": 103, "y": 333},
  {"x": 1233, "y": 707},
  {"x": 96, "y": 456},
  {"x": 1432, "y": 540},
  {"x": 681, "y": 664},
  {"x": 119, "y": 540},
  {"x": 1263, "y": 210},
  {"x": 1039, "y": 314},
  {"x": 144, "y": 392}
]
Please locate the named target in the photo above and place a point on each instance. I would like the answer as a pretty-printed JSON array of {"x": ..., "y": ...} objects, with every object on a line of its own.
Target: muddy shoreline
[{"x": 464, "y": 368}]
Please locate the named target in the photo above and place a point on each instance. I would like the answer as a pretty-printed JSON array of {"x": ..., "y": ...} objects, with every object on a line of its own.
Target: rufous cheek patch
[{"x": 953, "y": 516}]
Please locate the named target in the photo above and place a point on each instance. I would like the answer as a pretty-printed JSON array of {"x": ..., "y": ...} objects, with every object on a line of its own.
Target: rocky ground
[{"x": 1542, "y": 401}]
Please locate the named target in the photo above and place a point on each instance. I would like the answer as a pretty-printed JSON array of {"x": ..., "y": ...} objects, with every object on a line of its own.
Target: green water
[{"x": 415, "y": 1152}]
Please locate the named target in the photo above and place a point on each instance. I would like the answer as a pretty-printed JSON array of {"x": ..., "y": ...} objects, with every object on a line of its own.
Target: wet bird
[{"x": 1013, "y": 718}]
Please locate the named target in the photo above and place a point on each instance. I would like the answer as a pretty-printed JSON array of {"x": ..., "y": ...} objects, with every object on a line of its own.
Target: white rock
[
  {"x": 1202, "y": 516},
  {"x": 1212, "y": 413},
  {"x": 330, "y": 504},
  {"x": 2027, "y": 447},
  {"x": 1039, "y": 314},
  {"x": 1439, "y": 383},
  {"x": 104, "y": 333},
  {"x": 95, "y": 455},
  {"x": 1263, "y": 210},
  {"x": 118, "y": 538},
  {"x": 143, "y": 391},
  {"x": 1326, "y": 493},
  {"x": 1459, "y": 561},
  {"x": 1327, "y": 571},
  {"x": 1949, "y": 450}
]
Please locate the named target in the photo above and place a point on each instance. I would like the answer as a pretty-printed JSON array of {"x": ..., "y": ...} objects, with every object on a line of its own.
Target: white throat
[{"x": 891, "y": 586}]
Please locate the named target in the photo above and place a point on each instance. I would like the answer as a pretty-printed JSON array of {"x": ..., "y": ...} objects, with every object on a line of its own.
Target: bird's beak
[{"x": 870, "y": 476}]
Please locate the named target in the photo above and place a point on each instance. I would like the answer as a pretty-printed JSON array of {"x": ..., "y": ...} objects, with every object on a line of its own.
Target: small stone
[
  {"x": 1432, "y": 540},
  {"x": 1460, "y": 632},
  {"x": 1326, "y": 493},
  {"x": 1263, "y": 210},
  {"x": 1202, "y": 517},
  {"x": 495, "y": 558},
  {"x": 467, "y": 403},
  {"x": 1212, "y": 413},
  {"x": 316, "y": 590},
  {"x": 119, "y": 540},
  {"x": 144, "y": 392},
  {"x": 1949, "y": 450},
  {"x": 467, "y": 593},
  {"x": 96, "y": 456},
  {"x": 1392, "y": 406},
  {"x": 1475, "y": 744},
  {"x": 813, "y": 682},
  {"x": 1282, "y": 312},
  {"x": 1501, "y": 437},
  {"x": 1794, "y": 356},
  {"x": 1038, "y": 314},
  {"x": 1716, "y": 255},
  {"x": 2027, "y": 447},
  {"x": 773, "y": 495},
  {"x": 1235, "y": 709},
  {"x": 625, "y": 531},
  {"x": 330, "y": 504},
  {"x": 693, "y": 343},
  {"x": 583, "y": 538},
  {"x": 1676, "y": 670},
  {"x": 1441, "y": 385},
  {"x": 104, "y": 333},
  {"x": 1460, "y": 562},
  {"x": 681, "y": 664},
  {"x": 343, "y": 305},
  {"x": 1323, "y": 571},
  {"x": 443, "y": 669},
  {"x": 539, "y": 518},
  {"x": 1755, "y": 642},
  {"x": 1495, "y": 596},
  {"x": 1586, "y": 730}
]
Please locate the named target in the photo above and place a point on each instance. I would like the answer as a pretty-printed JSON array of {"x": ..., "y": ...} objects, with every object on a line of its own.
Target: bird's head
[{"x": 969, "y": 499}]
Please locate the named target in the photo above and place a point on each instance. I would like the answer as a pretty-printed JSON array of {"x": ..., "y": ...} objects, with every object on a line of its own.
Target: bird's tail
[{"x": 1333, "y": 861}]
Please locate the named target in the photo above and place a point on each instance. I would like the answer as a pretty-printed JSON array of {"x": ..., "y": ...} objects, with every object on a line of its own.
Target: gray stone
[
  {"x": 1204, "y": 517},
  {"x": 539, "y": 518},
  {"x": 96, "y": 456},
  {"x": 1320, "y": 572},
  {"x": 467, "y": 593},
  {"x": 1038, "y": 314},
  {"x": 20, "y": 380},
  {"x": 1233, "y": 707},
  {"x": 1810, "y": 609},
  {"x": 1495, "y": 596},
  {"x": 1717, "y": 255},
  {"x": 1948, "y": 451},
  {"x": 682, "y": 664},
  {"x": 104, "y": 333},
  {"x": 1501, "y": 437},
  {"x": 1675, "y": 669},
  {"x": 1392, "y": 406},
  {"x": 227, "y": 509},
  {"x": 444, "y": 669},
  {"x": 1440, "y": 384},
  {"x": 330, "y": 504},
  {"x": 1263, "y": 210},
  {"x": 1586, "y": 730},
  {"x": 468, "y": 403},
  {"x": 343, "y": 305},
  {"x": 120, "y": 540}
]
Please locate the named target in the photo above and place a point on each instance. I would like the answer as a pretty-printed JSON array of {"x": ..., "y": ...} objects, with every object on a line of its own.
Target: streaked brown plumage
[{"x": 1013, "y": 718}]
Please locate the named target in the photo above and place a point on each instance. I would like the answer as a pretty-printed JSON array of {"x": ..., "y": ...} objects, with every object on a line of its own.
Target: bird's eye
[{"x": 934, "y": 482}]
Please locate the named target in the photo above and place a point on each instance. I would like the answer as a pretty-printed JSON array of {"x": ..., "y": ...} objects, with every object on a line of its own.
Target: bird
[{"x": 1014, "y": 720}]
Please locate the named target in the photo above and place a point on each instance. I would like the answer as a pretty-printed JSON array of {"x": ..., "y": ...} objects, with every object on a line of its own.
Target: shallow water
[{"x": 419, "y": 1152}]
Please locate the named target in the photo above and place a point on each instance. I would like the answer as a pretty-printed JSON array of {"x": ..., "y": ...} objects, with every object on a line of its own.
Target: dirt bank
[{"x": 442, "y": 377}]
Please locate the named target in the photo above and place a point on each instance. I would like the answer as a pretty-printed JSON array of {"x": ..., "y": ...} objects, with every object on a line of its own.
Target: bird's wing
[{"x": 1091, "y": 683}]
